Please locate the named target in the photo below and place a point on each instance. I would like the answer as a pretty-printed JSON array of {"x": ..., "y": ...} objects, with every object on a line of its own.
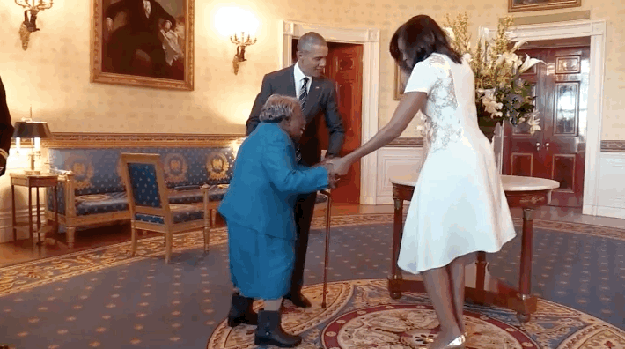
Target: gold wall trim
[
  {"x": 552, "y": 17},
  {"x": 613, "y": 146},
  {"x": 407, "y": 142},
  {"x": 109, "y": 140},
  {"x": 115, "y": 140}
]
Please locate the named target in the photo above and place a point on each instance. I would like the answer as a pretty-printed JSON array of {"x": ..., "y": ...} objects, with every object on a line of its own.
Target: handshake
[{"x": 336, "y": 167}]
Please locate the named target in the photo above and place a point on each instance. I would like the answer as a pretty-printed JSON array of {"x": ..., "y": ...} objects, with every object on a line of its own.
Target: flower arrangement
[{"x": 500, "y": 93}]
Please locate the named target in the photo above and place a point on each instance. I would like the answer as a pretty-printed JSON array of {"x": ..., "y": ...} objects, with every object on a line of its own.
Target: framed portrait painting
[
  {"x": 538, "y": 5},
  {"x": 399, "y": 84},
  {"x": 143, "y": 43}
]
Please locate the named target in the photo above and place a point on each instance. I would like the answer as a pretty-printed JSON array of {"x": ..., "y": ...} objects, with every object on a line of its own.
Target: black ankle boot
[
  {"x": 270, "y": 332},
  {"x": 242, "y": 311}
]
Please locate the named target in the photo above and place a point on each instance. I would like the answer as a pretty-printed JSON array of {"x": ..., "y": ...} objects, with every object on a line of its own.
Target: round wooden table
[{"x": 528, "y": 193}]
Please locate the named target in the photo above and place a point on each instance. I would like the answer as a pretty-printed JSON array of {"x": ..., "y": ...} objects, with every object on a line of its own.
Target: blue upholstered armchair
[{"x": 150, "y": 206}]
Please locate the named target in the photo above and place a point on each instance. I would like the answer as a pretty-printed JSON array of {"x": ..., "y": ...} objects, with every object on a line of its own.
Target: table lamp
[{"x": 35, "y": 130}]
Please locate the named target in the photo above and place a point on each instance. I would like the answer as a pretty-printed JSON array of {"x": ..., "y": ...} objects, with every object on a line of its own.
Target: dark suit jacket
[
  {"x": 137, "y": 20},
  {"x": 321, "y": 101},
  {"x": 6, "y": 129}
]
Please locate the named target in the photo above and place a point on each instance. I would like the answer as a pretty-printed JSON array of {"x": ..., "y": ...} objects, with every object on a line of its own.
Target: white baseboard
[
  {"x": 611, "y": 187},
  {"x": 6, "y": 232},
  {"x": 612, "y": 212}
]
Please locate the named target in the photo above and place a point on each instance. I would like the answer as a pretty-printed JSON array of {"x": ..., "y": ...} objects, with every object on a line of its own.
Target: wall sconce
[
  {"x": 242, "y": 40},
  {"x": 29, "y": 25},
  {"x": 240, "y": 26}
]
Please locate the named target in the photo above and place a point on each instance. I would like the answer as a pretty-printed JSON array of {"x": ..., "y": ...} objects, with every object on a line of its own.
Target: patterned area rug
[
  {"x": 105, "y": 298},
  {"x": 360, "y": 314}
]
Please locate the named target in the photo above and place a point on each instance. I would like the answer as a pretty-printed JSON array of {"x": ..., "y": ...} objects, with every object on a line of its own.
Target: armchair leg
[
  {"x": 133, "y": 238},
  {"x": 71, "y": 236},
  {"x": 168, "y": 246},
  {"x": 206, "y": 230}
]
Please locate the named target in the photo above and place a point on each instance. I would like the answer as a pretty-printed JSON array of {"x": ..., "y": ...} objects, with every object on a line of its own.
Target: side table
[
  {"x": 527, "y": 193},
  {"x": 32, "y": 181}
]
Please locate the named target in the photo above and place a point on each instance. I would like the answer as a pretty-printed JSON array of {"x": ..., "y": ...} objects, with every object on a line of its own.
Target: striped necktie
[{"x": 303, "y": 93}]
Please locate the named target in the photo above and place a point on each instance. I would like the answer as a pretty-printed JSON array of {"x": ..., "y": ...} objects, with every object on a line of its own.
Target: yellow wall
[{"x": 52, "y": 75}]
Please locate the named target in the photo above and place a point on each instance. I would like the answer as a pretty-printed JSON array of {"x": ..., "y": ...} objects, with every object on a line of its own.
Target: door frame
[
  {"x": 369, "y": 37},
  {"x": 596, "y": 30}
]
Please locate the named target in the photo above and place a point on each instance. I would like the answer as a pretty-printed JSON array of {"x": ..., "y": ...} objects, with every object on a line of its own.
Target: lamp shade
[{"x": 31, "y": 130}]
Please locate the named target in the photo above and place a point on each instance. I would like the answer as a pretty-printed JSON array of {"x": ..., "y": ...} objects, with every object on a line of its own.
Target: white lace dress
[{"x": 458, "y": 206}]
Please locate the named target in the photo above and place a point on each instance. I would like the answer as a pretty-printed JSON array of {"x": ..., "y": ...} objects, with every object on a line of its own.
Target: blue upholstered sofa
[{"x": 91, "y": 191}]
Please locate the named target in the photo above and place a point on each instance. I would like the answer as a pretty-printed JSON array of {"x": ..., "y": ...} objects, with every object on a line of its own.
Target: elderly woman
[{"x": 258, "y": 209}]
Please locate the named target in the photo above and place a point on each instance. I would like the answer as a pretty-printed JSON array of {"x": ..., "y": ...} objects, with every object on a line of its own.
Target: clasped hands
[{"x": 336, "y": 167}]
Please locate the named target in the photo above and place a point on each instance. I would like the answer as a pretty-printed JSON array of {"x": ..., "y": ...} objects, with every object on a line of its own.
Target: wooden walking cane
[{"x": 325, "y": 263}]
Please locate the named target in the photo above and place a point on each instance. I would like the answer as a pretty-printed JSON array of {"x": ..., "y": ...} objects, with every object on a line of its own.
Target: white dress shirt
[{"x": 299, "y": 76}]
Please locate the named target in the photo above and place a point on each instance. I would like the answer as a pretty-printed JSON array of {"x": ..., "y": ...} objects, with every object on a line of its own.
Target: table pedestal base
[{"x": 480, "y": 288}]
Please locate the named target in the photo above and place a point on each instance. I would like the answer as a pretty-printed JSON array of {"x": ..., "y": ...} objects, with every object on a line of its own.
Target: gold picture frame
[
  {"x": 541, "y": 5},
  {"x": 150, "y": 64},
  {"x": 399, "y": 83}
]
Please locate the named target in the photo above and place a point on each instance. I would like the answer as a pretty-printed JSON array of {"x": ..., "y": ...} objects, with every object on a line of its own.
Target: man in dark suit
[
  {"x": 316, "y": 93},
  {"x": 6, "y": 129},
  {"x": 141, "y": 32}
]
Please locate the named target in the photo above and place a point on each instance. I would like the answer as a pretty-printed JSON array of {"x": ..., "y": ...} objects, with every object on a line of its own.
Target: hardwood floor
[{"x": 12, "y": 253}]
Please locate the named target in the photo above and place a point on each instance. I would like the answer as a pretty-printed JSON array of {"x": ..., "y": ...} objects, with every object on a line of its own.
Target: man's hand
[
  {"x": 109, "y": 24},
  {"x": 332, "y": 179},
  {"x": 340, "y": 166}
]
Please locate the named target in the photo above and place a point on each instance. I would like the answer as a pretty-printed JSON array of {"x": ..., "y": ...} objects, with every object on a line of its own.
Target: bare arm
[{"x": 408, "y": 107}]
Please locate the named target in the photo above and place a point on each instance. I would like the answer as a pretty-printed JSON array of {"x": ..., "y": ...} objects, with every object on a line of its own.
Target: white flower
[
  {"x": 509, "y": 58},
  {"x": 518, "y": 45},
  {"x": 450, "y": 33},
  {"x": 489, "y": 101},
  {"x": 534, "y": 122},
  {"x": 529, "y": 62}
]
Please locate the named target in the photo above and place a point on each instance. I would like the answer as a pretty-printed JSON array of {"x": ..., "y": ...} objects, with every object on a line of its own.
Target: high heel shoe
[{"x": 457, "y": 343}]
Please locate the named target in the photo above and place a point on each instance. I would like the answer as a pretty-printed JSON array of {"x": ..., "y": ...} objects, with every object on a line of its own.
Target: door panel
[
  {"x": 345, "y": 66},
  {"x": 561, "y": 90},
  {"x": 522, "y": 164}
]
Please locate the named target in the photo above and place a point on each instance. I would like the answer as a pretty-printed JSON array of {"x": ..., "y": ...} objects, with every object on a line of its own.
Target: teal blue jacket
[{"x": 265, "y": 183}]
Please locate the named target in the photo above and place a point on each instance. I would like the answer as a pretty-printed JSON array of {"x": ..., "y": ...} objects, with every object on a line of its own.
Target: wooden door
[
  {"x": 345, "y": 66},
  {"x": 557, "y": 151}
]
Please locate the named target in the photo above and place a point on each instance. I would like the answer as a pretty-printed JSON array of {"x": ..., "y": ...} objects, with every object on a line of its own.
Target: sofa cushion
[
  {"x": 118, "y": 201},
  {"x": 101, "y": 203},
  {"x": 180, "y": 214}
]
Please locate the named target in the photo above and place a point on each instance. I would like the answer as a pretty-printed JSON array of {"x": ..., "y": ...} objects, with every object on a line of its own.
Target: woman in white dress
[{"x": 458, "y": 206}]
